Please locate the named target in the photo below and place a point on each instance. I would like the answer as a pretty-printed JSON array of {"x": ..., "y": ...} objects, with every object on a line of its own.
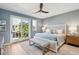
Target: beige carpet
[{"x": 23, "y": 48}]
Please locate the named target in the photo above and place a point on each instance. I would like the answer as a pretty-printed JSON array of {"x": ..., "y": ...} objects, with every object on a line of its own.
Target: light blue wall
[
  {"x": 66, "y": 18},
  {"x": 5, "y": 15}
]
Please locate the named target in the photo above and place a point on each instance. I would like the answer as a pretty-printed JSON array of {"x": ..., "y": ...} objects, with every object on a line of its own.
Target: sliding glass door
[
  {"x": 34, "y": 27},
  {"x": 22, "y": 28},
  {"x": 19, "y": 28},
  {"x": 25, "y": 28}
]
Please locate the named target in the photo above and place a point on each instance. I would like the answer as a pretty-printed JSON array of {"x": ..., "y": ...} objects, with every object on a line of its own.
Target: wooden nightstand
[{"x": 70, "y": 39}]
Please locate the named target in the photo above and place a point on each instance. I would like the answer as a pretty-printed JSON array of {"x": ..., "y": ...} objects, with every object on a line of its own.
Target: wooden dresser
[{"x": 70, "y": 39}]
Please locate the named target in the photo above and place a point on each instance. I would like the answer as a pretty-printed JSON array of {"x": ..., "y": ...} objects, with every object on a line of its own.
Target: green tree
[{"x": 25, "y": 29}]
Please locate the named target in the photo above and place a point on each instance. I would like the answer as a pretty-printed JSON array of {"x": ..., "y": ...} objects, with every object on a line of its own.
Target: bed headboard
[{"x": 58, "y": 29}]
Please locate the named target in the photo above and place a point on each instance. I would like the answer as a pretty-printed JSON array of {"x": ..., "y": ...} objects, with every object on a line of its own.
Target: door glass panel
[
  {"x": 16, "y": 22},
  {"x": 19, "y": 28},
  {"x": 25, "y": 28},
  {"x": 34, "y": 27}
]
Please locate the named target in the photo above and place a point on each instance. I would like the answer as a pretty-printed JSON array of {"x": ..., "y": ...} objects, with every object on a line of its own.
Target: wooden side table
[{"x": 74, "y": 40}]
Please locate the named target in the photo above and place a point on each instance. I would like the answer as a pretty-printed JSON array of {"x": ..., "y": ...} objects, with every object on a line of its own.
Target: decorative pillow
[
  {"x": 60, "y": 31},
  {"x": 57, "y": 31},
  {"x": 54, "y": 31}
]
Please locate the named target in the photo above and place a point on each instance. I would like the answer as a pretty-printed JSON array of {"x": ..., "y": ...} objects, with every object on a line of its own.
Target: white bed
[
  {"x": 55, "y": 40},
  {"x": 56, "y": 37}
]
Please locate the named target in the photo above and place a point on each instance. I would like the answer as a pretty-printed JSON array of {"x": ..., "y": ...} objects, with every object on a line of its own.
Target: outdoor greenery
[{"x": 24, "y": 30}]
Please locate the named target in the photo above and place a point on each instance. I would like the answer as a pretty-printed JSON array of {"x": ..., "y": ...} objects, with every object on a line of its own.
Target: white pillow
[{"x": 60, "y": 31}]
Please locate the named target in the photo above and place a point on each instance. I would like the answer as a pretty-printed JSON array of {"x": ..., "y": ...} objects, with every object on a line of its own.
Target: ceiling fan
[{"x": 41, "y": 9}]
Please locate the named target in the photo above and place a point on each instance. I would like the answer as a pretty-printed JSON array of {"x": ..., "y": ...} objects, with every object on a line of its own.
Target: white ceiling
[{"x": 31, "y": 8}]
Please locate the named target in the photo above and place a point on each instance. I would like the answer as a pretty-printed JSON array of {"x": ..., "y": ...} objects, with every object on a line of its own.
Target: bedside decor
[
  {"x": 73, "y": 29},
  {"x": 74, "y": 40},
  {"x": 44, "y": 27},
  {"x": 72, "y": 36}
]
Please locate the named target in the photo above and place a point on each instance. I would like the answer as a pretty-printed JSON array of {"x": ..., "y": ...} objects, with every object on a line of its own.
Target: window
[
  {"x": 25, "y": 27},
  {"x": 19, "y": 28},
  {"x": 34, "y": 25}
]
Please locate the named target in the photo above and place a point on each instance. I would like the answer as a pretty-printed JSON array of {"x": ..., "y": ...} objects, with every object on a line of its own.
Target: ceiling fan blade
[
  {"x": 41, "y": 9},
  {"x": 38, "y": 11},
  {"x": 41, "y": 6},
  {"x": 44, "y": 11}
]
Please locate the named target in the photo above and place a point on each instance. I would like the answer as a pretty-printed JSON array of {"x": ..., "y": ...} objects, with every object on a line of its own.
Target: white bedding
[
  {"x": 55, "y": 40},
  {"x": 50, "y": 36}
]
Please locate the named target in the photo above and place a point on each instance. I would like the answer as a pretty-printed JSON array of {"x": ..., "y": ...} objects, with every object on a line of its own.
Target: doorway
[{"x": 19, "y": 28}]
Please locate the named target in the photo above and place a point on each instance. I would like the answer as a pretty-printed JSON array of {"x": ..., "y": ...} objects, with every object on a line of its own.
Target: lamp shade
[{"x": 73, "y": 29}]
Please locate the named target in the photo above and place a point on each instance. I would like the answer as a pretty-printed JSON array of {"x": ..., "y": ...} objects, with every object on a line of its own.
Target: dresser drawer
[{"x": 72, "y": 40}]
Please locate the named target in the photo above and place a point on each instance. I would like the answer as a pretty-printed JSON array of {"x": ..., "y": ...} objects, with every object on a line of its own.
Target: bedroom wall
[
  {"x": 65, "y": 18},
  {"x": 5, "y": 15}
]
